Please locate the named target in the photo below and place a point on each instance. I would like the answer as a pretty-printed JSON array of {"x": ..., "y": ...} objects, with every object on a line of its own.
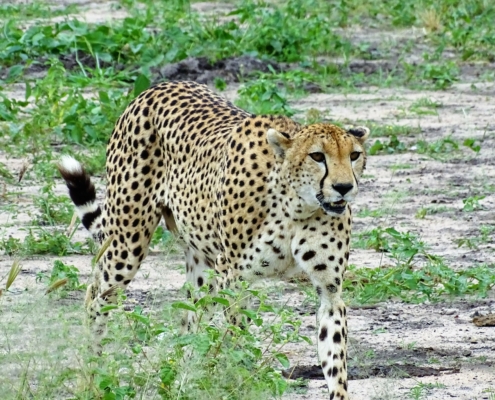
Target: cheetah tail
[{"x": 82, "y": 192}]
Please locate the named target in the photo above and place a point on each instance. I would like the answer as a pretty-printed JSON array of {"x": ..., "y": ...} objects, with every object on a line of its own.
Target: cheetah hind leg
[
  {"x": 116, "y": 269},
  {"x": 197, "y": 268}
]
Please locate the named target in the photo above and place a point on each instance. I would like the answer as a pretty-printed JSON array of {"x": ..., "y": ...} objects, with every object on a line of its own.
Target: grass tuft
[
  {"x": 57, "y": 285},
  {"x": 102, "y": 250},
  {"x": 15, "y": 269},
  {"x": 431, "y": 20}
]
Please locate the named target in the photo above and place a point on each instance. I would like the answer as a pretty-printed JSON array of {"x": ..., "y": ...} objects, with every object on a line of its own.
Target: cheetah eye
[
  {"x": 355, "y": 155},
  {"x": 318, "y": 157}
]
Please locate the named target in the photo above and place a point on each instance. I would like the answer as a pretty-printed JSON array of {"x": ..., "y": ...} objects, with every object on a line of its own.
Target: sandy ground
[{"x": 395, "y": 334}]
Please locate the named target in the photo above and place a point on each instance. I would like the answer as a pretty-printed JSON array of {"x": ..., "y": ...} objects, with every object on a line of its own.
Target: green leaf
[
  {"x": 104, "y": 98},
  {"x": 184, "y": 306},
  {"x": 375, "y": 148},
  {"x": 14, "y": 72},
  {"x": 254, "y": 316},
  {"x": 105, "y": 383},
  {"x": 306, "y": 339},
  {"x": 228, "y": 292},
  {"x": 471, "y": 144},
  {"x": 167, "y": 375},
  {"x": 108, "y": 308},
  {"x": 220, "y": 84},
  {"x": 109, "y": 396},
  {"x": 28, "y": 91},
  {"x": 221, "y": 301},
  {"x": 203, "y": 302},
  {"x": 141, "y": 84},
  {"x": 202, "y": 344},
  {"x": 141, "y": 318},
  {"x": 282, "y": 359}
]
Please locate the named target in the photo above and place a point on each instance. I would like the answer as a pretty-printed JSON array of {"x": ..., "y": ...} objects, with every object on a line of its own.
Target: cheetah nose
[{"x": 343, "y": 188}]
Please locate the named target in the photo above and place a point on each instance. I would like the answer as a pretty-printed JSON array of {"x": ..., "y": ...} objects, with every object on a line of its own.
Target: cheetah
[{"x": 249, "y": 196}]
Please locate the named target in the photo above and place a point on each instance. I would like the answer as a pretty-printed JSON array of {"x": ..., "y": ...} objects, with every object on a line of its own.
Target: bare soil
[
  {"x": 232, "y": 69},
  {"x": 393, "y": 346}
]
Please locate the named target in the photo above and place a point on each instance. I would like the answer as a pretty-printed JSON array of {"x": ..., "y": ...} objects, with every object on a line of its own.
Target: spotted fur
[{"x": 249, "y": 196}]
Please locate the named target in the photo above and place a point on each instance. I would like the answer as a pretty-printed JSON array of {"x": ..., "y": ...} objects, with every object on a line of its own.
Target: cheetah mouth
[{"x": 337, "y": 207}]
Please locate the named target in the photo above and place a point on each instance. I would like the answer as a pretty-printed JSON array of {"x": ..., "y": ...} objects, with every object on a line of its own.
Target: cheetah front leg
[
  {"x": 199, "y": 273},
  {"x": 332, "y": 345},
  {"x": 326, "y": 271}
]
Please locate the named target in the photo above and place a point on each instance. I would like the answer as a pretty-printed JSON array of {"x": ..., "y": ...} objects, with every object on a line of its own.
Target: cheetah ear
[
  {"x": 279, "y": 141},
  {"x": 360, "y": 132}
]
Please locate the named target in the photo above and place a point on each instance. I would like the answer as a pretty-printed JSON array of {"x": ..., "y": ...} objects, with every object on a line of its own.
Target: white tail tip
[{"x": 70, "y": 164}]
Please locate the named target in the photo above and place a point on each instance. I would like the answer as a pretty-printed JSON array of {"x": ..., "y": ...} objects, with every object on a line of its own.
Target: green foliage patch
[{"x": 405, "y": 279}]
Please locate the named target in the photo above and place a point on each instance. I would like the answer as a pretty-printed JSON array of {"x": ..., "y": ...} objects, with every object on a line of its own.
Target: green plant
[
  {"x": 290, "y": 31},
  {"x": 441, "y": 75},
  {"x": 54, "y": 209},
  {"x": 5, "y": 173},
  {"x": 439, "y": 149},
  {"x": 470, "y": 243},
  {"x": 64, "y": 114},
  {"x": 491, "y": 392},
  {"x": 10, "y": 108},
  {"x": 93, "y": 159},
  {"x": 424, "y": 211},
  {"x": 102, "y": 42},
  {"x": 398, "y": 167},
  {"x": 366, "y": 212},
  {"x": 407, "y": 346},
  {"x": 264, "y": 97},
  {"x": 41, "y": 241},
  {"x": 402, "y": 246},
  {"x": 486, "y": 232},
  {"x": 61, "y": 271},
  {"x": 462, "y": 25},
  {"x": 378, "y": 130},
  {"x": 221, "y": 358},
  {"x": 421, "y": 214},
  {"x": 425, "y": 106},
  {"x": 472, "y": 203},
  {"x": 394, "y": 145},
  {"x": 220, "y": 84},
  {"x": 163, "y": 238},
  {"x": 408, "y": 282},
  {"x": 431, "y": 282},
  {"x": 472, "y": 144},
  {"x": 422, "y": 389}
]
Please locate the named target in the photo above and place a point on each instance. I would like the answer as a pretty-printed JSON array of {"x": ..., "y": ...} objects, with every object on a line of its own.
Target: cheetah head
[{"x": 321, "y": 165}]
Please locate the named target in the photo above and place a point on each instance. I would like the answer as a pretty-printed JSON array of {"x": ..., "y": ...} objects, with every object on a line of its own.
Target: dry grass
[
  {"x": 57, "y": 285},
  {"x": 432, "y": 21},
  {"x": 13, "y": 273}
]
